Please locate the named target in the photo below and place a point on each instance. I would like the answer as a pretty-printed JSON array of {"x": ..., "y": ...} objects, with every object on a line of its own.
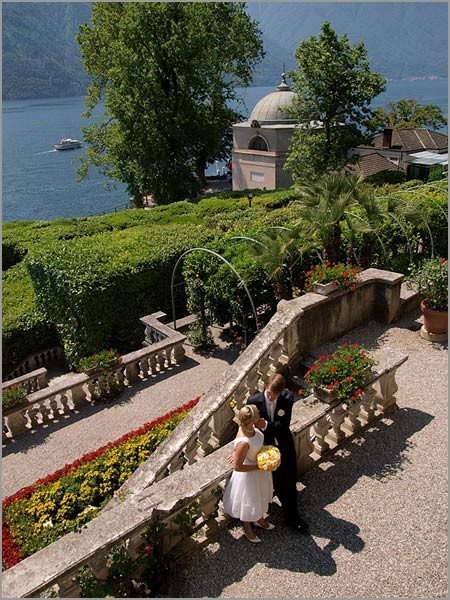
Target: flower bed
[
  {"x": 346, "y": 372},
  {"x": 344, "y": 276},
  {"x": 39, "y": 514}
]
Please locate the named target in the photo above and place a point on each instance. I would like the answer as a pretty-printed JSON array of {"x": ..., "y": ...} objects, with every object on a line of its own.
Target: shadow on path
[{"x": 379, "y": 452}]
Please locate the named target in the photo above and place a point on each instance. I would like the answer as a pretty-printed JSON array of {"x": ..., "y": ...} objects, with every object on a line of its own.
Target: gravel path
[{"x": 377, "y": 508}]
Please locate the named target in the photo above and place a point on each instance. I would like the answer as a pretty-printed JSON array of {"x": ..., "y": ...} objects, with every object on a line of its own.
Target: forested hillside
[{"x": 403, "y": 39}]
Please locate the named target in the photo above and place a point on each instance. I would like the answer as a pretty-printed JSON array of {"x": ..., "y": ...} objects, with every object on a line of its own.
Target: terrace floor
[{"x": 377, "y": 508}]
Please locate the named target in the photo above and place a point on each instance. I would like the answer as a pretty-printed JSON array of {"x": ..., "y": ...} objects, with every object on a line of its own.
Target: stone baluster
[
  {"x": 177, "y": 463},
  {"x": 5, "y": 431},
  {"x": 320, "y": 445},
  {"x": 168, "y": 357},
  {"x": 304, "y": 448},
  {"x": 17, "y": 422},
  {"x": 78, "y": 394},
  {"x": 68, "y": 587},
  {"x": 223, "y": 425},
  {"x": 55, "y": 410},
  {"x": 351, "y": 423},
  {"x": 179, "y": 353},
  {"x": 208, "y": 509},
  {"x": 386, "y": 386},
  {"x": 190, "y": 450},
  {"x": 252, "y": 380},
  {"x": 144, "y": 366},
  {"x": 335, "y": 434},
  {"x": 240, "y": 395},
  {"x": 41, "y": 381},
  {"x": 204, "y": 439},
  {"x": 66, "y": 403},
  {"x": 134, "y": 545},
  {"x": 263, "y": 369},
  {"x": 46, "y": 412},
  {"x": 99, "y": 566},
  {"x": 91, "y": 387},
  {"x": 367, "y": 406},
  {"x": 34, "y": 416},
  {"x": 152, "y": 362},
  {"x": 132, "y": 373},
  {"x": 161, "y": 361}
]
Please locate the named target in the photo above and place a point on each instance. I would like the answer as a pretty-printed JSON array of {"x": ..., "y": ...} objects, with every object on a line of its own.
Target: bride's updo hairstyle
[{"x": 247, "y": 416}]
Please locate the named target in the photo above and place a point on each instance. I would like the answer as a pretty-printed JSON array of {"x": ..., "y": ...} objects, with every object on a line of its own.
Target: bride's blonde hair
[{"x": 247, "y": 416}]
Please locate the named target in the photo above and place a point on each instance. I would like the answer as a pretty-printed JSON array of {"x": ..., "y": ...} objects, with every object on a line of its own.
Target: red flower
[
  {"x": 332, "y": 369},
  {"x": 349, "y": 379},
  {"x": 322, "y": 357},
  {"x": 345, "y": 344},
  {"x": 329, "y": 386},
  {"x": 337, "y": 383},
  {"x": 328, "y": 263},
  {"x": 355, "y": 345},
  {"x": 300, "y": 392},
  {"x": 348, "y": 358}
]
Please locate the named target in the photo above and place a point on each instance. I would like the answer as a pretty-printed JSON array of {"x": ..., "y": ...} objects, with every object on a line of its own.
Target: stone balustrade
[
  {"x": 298, "y": 326},
  {"x": 318, "y": 428},
  {"x": 33, "y": 381},
  {"x": 73, "y": 391},
  {"x": 36, "y": 361}
]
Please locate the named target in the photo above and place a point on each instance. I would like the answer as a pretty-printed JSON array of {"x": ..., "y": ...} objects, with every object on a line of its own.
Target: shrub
[
  {"x": 103, "y": 360},
  {"x": 431, "y": 280}
]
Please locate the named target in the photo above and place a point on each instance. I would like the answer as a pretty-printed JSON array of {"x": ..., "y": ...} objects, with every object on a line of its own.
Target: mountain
[
  {"x": 40, "y": 55},
  {"x": 403, "y": 39}
]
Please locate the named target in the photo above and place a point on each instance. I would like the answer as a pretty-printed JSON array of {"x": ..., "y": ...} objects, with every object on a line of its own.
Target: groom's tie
[{"x": 271, "y": 410}]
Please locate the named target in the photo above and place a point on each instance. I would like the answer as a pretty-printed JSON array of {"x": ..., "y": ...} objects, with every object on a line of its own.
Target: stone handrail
[
  {"x": 298, "y": 326},
  {"x": 74, "y": 391},
  {"x": 317, "y": 427},
  {"x": 33, "y": 381}
]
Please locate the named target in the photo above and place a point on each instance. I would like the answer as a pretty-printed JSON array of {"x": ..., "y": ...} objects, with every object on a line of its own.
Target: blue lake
[{"x": 39, "y": 182}]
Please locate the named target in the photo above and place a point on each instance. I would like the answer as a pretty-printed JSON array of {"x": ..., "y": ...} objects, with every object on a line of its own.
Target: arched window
[{"x": 258, "y": 143}]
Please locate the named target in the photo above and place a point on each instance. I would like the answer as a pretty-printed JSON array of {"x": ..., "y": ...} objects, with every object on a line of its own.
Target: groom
[{"x": 275, "y": 409}]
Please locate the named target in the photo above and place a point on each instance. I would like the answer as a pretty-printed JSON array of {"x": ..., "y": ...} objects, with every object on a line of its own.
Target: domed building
[{"x": 261, "y": 143}]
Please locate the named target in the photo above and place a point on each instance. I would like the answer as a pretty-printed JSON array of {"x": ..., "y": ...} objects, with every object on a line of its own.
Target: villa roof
[
  {"x": 370, "y": 164},
  {"x": 409, "y": 140}
]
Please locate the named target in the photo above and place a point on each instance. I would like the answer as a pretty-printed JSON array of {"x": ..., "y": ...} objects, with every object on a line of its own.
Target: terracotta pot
[{"x": 434, "y": 321}]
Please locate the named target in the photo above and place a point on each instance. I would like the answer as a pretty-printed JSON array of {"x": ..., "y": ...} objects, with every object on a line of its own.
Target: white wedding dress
[{"x": 248, "y": 493}]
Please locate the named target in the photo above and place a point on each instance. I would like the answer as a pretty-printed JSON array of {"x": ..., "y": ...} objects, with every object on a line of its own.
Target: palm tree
[{"x": 324, "y": 205}]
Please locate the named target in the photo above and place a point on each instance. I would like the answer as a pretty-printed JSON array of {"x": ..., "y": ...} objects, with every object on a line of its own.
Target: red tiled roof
[
  {"x": 371, "y": 164},
  {"x": 410, "y": 140}
]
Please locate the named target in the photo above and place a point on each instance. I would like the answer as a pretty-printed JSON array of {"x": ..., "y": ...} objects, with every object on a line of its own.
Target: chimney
[{"x": 387, "y": 138}]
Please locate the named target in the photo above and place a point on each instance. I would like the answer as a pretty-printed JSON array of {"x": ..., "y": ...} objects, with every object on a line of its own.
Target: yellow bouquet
[{"x": 268, "y": 458}]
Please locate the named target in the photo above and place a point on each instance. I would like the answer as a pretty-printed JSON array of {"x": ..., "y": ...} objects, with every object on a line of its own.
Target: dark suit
[{"x": 278, "y": 433}]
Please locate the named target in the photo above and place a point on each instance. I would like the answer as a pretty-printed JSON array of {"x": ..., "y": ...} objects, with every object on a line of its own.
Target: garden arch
[{"x": 223, "y": 260}]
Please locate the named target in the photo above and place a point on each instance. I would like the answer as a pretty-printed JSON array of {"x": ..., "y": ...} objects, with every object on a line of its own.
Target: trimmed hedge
[{"x": 95, "y": 289}]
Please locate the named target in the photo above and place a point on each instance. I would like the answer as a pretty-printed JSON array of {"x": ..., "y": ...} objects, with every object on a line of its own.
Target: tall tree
[
  {"x": 406, "y": 114},
  {"x": 334, "y": 88},
  {"x": 166, "y": 73}
]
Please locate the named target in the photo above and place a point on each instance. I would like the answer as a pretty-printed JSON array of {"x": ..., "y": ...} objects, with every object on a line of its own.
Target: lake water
[{"x": 39, "y": 182}]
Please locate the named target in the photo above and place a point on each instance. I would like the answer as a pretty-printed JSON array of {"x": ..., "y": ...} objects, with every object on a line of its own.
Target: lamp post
[{"x": 249, "y": 196}]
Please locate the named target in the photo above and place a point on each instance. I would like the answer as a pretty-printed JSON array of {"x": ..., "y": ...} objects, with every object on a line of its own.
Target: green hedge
[
  {"x": 95, "y": 289},
  {"x": 24, "y": 328}
]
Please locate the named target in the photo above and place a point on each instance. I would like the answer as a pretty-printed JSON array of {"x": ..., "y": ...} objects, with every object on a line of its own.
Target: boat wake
[{"x": 45, "y": 152}]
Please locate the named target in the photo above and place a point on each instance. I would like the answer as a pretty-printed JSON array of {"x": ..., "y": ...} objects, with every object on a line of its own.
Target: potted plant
[
  {"x": 326, "y": 277},
  {"x": 430, "y": 279},
  {"x": 342, "y": 375},
  {"x": 103, "y": 361},
  {"x": 13, "y": 397}
]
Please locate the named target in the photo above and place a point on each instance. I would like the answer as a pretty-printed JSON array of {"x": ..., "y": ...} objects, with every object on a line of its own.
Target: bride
[{"x": 249, "y": 489}]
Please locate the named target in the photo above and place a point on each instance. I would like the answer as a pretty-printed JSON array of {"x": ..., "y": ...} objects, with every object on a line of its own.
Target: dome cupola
[{"x": 270, "y": 110}]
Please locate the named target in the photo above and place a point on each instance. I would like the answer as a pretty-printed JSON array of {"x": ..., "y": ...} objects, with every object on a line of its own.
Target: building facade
[{"x": 260, "y": 144}]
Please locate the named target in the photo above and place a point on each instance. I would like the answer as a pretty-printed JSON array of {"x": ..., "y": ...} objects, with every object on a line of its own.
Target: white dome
[{"x": 271, "y": 109}]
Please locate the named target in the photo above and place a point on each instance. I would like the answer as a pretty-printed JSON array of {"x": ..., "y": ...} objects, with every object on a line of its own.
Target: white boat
[{"x": 67, "y": 144}]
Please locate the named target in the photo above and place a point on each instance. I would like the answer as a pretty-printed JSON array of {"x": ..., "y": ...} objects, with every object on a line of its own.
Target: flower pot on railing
[
  {"x": 325, "y": 288},
  {"x": 325, "y": 394},
  {"x": 96, "y": 370}
]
